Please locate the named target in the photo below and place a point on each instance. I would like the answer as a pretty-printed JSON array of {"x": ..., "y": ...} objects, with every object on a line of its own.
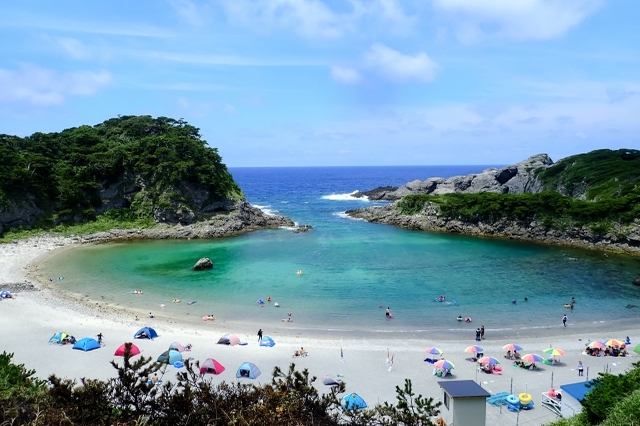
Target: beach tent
[
  {"x": 353, "y": 401},
  {"x": 59, "y": 337},
  {"x": 248, "y": 370},
  {"x": 267, "y": 341},
  {"x": 134, "y": 350},
  {"x": 5, "y": 294},
  {"x": 170, "y": 357},
  {"x": 87, "y": 344},
  {"x": 229, "y": 339},
  {"x": 176, "y": 346},
  {"x": 211, "y": 366},
  {"x": 145, "y": 333},
  {"x": 329, "y": 380}
]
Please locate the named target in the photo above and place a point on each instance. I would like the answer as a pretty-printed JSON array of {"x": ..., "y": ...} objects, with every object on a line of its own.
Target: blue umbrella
[
  {"x": 267, "y": 341},
  {"x": 353, "y": 402}
]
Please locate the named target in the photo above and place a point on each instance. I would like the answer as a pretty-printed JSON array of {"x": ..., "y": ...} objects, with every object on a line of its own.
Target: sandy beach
[{"x": 32, "y": 317}]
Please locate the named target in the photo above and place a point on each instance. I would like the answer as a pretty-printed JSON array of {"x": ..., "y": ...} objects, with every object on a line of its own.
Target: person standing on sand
[
  {"x": 482, "y": 333},
  {"x": 259, "y": 335},
  {"x": 387, "y": 313},
  {"x": 580, "y": 368},
  {"x": 564, "y": 320},
  {"x": 477, "y": 335}
]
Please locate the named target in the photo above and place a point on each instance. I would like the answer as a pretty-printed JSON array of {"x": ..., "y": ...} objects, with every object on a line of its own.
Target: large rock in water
[
  {"x": 636, "y": 282},
  {"x": 204, "y": 263}
]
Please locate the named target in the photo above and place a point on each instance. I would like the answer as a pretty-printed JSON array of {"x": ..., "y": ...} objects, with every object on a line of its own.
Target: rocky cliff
[
  {"x": 515, "y": 179},
  {"x": 620, "y": 238}
]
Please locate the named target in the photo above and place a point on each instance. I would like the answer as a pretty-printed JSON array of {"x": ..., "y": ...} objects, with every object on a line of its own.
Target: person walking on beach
[
  {"x": 478, "y": 335},
  {"x": 482, "y": 333},
  {"x": 387, "y": 313},
  {"x": 259, "y": 335},
  {"x": 580, "y": 368},
  {"x": 564, "y": 320}
]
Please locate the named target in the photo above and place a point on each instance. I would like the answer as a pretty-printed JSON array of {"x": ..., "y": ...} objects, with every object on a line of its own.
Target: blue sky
[{"x": 334, "y": 82}]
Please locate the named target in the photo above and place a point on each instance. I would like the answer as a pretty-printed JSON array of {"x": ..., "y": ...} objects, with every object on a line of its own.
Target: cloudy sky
[{"x": 334, "y": 82}]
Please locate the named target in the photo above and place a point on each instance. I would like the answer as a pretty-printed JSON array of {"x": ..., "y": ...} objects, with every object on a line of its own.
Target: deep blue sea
[{"x": 351, "y": 267}]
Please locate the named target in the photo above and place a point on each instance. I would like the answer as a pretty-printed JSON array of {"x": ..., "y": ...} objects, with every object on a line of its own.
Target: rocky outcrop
[
  {"x": 515, "y": 179},
  {"x": 204, "y": 263},
  {"x": 302, "y": 228},
  {"x": 636, "y": 282},
  {"x": 621, "y": 238}
]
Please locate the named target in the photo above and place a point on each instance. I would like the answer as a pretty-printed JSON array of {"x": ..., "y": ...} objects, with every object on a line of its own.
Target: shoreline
[{"x": 42, "y": 312}]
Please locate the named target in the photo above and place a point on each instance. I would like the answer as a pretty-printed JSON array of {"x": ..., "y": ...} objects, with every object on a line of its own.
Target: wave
[
  {"x": 266, "y": 210},
  {"x": 345, "y": 197},
  {"x": 344, "y": 215}
]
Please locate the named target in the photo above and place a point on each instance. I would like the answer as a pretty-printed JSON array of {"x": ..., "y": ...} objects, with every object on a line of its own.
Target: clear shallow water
[{"x": 352, "y": 266}]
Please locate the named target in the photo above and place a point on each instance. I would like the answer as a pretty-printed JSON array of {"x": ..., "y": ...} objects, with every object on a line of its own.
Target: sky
[{"x": 334, "y": 82}]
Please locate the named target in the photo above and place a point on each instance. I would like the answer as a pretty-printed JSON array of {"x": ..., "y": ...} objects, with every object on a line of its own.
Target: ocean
[{"x": 352, "y": 270}]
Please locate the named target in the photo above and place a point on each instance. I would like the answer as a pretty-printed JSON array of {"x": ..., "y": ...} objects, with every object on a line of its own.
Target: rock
[
  {"x": 636, "y": 282},
  {"x": 302, "y": 228},
  {"x": 204, "y": 263},
  {"x": 378, "y": 193}
]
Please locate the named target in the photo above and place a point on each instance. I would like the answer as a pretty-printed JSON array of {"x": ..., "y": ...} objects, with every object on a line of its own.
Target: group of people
[
  {"x": 521, "y": 364},
  {"x": 480, "y": 334},
  {"x": 512, "y": 355},
  {"x": 301, "y": 352},
  {"x": 608, "y": 351}
]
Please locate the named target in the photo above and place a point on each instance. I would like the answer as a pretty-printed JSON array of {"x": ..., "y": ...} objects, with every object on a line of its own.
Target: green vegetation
[
  {"x": 599, "y": 174},
  {"x": 136, "y": 162},
  {"x": 614, "y": 400},
  {"x": 549, "y": 208},
  {"x": 128, "y": 399}
]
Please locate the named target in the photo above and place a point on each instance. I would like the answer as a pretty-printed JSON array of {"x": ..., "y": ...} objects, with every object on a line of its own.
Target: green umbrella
[{"x": 637, "y": 349}]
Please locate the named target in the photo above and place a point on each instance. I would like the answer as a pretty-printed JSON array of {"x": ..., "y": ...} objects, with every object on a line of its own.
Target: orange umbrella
[{"x": 614, "y": 342}]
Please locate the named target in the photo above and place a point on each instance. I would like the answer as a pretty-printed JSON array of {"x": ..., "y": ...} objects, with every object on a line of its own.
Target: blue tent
[
  {"x": 267, "y": 341},
  {"x": 353, "y": 401},
  {"x": 248, "y": 370},
  {"x": 87, "y": 344},
  {"x": 170, "y": 357},
  {"x": 5, "y": 294},
  {"x": 145, "y": 333}
]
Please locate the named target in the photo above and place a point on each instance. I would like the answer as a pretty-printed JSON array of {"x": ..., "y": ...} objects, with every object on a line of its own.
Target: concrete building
[{"x": 463, "y": 403}]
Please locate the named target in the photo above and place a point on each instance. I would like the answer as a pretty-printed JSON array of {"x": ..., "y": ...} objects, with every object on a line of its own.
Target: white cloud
[
  {"x": 188, "y": 11},
  {"x": 315, "y": 18},
  {"x": 400, "y": 67},
  {"x": 345, "y": 75},
  {"x": 515, "y": 19},
  {"x": 74, "y": 47},
  {"x": 45, "y": 87}
]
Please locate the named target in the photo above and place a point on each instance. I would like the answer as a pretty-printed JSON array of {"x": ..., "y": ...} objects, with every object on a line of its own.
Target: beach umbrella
[
  {"x": 443, "y": 364},
  {"x": 512, "y": 347},
  {"x": 433, "y": 351},
  {"x": 353, "y": 401},
  {"x": 531, "y": 358},
  {"x": 211, "y": 366},
  {"x": 474, "y": 349},
  {"x": 553, "y": 351},
  {"x": 488, "y": 360},
  {"x": 614, "y": 342},
  {"x": 596, "y": 345},
  {"x": 121, "y": 349},
  {"x": 176, "y": 346}
]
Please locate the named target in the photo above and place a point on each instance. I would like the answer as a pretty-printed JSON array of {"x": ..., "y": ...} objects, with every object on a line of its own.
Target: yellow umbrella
[
  {"x": 553, "y": 351},
  {"x": 614, "y": 342}
]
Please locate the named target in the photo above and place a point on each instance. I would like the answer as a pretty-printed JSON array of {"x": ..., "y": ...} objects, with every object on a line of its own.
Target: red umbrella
[{"x": 134, "y": 350}]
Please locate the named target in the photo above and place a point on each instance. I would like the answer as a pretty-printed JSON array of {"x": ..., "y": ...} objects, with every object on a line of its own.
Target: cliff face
[
  {"x": 515, "y": 179},
  {"x": 621, "y": 238}
]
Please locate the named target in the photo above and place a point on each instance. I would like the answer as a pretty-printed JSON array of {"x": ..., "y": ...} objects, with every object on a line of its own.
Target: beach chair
[{"x": 497, "y": 370}]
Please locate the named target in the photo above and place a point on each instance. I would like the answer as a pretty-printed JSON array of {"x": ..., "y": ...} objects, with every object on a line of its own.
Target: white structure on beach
[
  {"x": 569, "y": 405},
  {"x": 463, "y": 403}
]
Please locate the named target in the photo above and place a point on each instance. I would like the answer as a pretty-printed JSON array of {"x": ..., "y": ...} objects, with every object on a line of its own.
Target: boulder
[
  {"x": 302, "y": 228},
  {"x": 636, "y": 282},
  {"x": 204, "y": 263}
]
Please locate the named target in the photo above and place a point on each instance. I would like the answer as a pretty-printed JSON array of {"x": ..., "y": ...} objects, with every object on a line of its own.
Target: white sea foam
[
  {"x": 344, "y": 215},
  {"x": 344, "y": 197},
  {"x": 267, "y": 210}
]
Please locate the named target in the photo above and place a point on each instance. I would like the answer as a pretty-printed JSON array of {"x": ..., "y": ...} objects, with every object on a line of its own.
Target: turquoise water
[{"x": 349, "y": 268}]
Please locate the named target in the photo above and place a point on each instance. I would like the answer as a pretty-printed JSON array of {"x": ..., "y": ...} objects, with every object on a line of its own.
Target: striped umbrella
[
  {"x": 531, "y": 358},
  {"x": 596, "y": 345},
  {"x": 614, "y": 342},
  {"x": 434, "y": 351},
  {"x": 474, "y": 349},
  {"x": 553, "y": 351},
  {"x": 512, "y": 347},
  {"x": 488, "y": 360},
  {"x": 443, "y": 364}
]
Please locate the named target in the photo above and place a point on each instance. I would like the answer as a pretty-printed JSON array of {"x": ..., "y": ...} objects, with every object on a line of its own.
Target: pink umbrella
[{"x": 596, "y": 345}]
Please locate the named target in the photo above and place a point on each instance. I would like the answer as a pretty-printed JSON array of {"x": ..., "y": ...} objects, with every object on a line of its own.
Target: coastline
[
  {"x": 431, "y": 220},
  {"x": 43, "y": 312}
]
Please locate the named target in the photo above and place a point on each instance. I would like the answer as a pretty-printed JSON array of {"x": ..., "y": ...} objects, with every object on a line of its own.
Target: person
[
  {"x": 580, "y": 368},
  {"x": 188, "y": 347},
  {"x": 296, "y": 354},
  {"x": 100, "y": 338},
  {"x": 516, "y": 355},
  {"x": 482, "y": 333},
  {"x": 478, "y": 335},
  {"x": 571, "y": 306},
  {"x": 303, "y": 352},
  {"x": 564, "y": 320},
  {"x": 508, "y": 355},
  {"x": 552, "y": 393},
  {"x": 627, "y": 341},
  {"x": 514, "y": 302},
  {"x": 150, "y": 315},
  {"x": 573, "y": 300},
  {"x": 268, "y": 298},
  {"x": 259, "y": 335},
  {"x": 526, "y": 299},
  {"x": 387, "y": 313},
  {"x": 459, "y": 317},
  {"x": 137, "y": 319}
]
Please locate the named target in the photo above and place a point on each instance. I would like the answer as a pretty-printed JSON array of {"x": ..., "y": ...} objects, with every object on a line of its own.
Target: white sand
[{"x": 29, "y": 320}]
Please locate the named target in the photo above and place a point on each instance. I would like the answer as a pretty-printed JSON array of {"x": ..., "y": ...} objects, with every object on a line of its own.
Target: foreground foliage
[
  {"x": 128, "y": 399},
  {"x": 614, "y": 400}
]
